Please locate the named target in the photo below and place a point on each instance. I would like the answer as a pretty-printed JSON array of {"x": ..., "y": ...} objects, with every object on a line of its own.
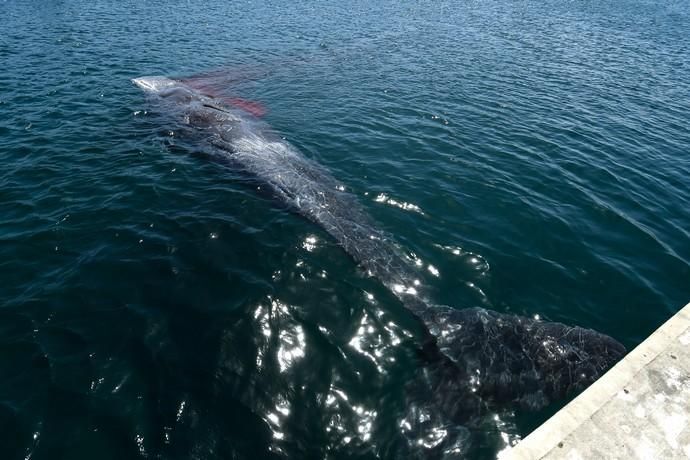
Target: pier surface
[{"x": 640, "y": 409}]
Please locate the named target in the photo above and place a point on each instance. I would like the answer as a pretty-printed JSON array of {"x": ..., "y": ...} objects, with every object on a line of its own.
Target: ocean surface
[{"x": 534, "y": 156}]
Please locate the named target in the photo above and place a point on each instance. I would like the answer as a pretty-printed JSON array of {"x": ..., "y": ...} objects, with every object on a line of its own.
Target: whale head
[
  {"x": 154, "y": 84},
  {"x": 174, "y": 93}
]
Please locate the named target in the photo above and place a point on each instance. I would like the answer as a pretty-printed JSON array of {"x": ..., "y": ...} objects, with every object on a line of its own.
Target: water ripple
[{"x": 527, "y": 156}]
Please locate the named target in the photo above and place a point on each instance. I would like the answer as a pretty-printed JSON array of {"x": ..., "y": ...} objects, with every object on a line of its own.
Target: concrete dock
[{"x": 640, "y": 409}]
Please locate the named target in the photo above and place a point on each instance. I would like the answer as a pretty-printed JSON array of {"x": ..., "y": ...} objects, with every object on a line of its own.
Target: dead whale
[{"x": 473, "y": 358}]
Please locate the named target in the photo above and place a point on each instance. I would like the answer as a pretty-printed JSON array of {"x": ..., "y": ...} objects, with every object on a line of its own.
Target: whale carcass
[{"x": 522, "y": 361}]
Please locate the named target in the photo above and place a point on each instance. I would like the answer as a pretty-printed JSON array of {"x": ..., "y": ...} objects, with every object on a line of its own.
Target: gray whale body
[{"x": 522, "y": 361}]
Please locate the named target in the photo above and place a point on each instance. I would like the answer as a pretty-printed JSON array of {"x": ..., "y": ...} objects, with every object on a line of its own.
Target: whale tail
[
  {"x": 477, "y": 362},
  {"x": 509, "y": 359}
]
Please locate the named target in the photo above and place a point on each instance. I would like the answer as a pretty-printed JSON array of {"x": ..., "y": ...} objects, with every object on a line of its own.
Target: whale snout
[{"x": 154, "y": 84}]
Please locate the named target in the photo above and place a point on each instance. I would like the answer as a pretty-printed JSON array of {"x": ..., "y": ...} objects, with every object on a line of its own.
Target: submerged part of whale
[
  {"x": 522, "y": 361},
  {"x": 475, "y": 358}
]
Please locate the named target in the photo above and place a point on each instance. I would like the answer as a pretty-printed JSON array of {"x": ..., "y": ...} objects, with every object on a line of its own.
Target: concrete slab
[{"x": 640, "y": 409}]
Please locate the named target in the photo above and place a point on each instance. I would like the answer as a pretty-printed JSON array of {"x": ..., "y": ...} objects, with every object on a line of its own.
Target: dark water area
[{"x": 533, "y": 156}]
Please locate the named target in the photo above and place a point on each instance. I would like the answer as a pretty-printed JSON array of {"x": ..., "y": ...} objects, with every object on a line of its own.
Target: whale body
[{"x": 474, "y": 358}]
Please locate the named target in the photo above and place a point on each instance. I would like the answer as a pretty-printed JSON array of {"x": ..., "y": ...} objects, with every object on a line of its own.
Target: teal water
[{"x": 534, "y": 156}]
